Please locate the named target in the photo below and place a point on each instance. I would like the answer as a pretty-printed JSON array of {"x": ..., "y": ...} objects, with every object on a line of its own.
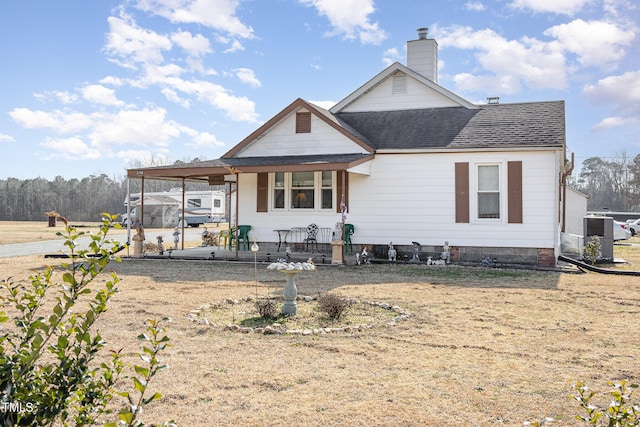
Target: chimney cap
[
  {"x": 422, "y": 33},
  {"x": 493, "y": 100}
]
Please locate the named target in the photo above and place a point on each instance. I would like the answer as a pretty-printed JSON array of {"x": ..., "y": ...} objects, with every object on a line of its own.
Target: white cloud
[
  {"x": 56, "y": 120},
  {"x": 596, "y": 43},
  {"x": 130, "y": 45},
  {"x": 217, "y": 14},
  {"x": 197, "y": 45},
  {"x": 620, "y": 90},
  {"x": 173, "y": 96},
  {"x": 112, "y": 81},
  {"x": 324, "y": 104},
  {"x": 91, "y": 136},
  {"x": 72, "y": 148},
  {"x": 6, "y": 138},
  {"x": 623, "y": 93},
  {"x": 247, "y": 76},
  {"x": 390, "y": 56},
  {"x": 612, "y": 122},
  {"x": 98, "y": 94},
  {"x": 564, "y": 7},
  {"x": 475, "y": 6},
  {"x": 136, "y": 48},
  {"x": 146, "y": 127},
  {"x": 350, "y": 18},
  {"x": 204, "y": 140},
  {"x": 511, "y": 64},
  {"x": 59, "y": 95}
]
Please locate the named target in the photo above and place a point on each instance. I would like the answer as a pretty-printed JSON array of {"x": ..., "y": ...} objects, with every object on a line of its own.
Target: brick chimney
[{"x": 422, "y": 55}]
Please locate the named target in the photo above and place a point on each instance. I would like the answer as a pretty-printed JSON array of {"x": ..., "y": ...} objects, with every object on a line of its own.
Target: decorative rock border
[{"x": 278, "y": 329}]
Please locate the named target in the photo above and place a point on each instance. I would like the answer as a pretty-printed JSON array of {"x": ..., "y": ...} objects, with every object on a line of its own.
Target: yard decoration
[{"x": 291, "y": 270}]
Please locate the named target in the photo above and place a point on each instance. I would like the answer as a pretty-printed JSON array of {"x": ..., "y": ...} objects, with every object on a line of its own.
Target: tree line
[
  {"x": 611, "y": 184},
  {"x": 75, "y": 199}
]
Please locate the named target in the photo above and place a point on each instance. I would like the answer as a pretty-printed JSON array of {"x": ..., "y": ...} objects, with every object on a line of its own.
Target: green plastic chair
[
  {"x": 243, "y": 236},
  {"x": 349, "y": 229}
]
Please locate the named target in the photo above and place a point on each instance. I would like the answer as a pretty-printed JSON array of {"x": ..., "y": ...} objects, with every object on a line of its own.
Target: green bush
[
  {"x": 592, "y": 250},
  {"x": 619, "y": 413},
  {"x": 50, "y": 371}
]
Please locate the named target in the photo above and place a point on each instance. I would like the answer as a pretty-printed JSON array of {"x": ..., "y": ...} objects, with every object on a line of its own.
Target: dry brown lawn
[{"x": 482, "y": 347}]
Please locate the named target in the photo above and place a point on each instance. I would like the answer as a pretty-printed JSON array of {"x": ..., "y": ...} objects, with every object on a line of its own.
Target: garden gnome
[
  {"x": 392, "y": 252},
  {"x": 205, "y": 237},
  {"x": 176, "y": 237},
  {"x": 416, "y": 251},
  {"x": 160, "y": 245},
  {"x": 138, "y": 238},
  {"x": 446, "y": 253}
]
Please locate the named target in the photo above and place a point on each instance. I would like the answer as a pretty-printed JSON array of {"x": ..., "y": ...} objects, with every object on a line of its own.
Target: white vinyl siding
[
  {"x": 282, "y": 140},
  {"x": 416, "y": 95},
  {"x": 410, "y": 197}
]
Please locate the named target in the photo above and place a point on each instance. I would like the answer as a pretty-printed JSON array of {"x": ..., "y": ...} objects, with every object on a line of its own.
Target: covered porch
[{"x": 281, "y": 223}]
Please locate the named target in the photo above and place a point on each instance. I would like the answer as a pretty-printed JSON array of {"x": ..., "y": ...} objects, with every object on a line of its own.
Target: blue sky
[{"x": 91, "y": 87}]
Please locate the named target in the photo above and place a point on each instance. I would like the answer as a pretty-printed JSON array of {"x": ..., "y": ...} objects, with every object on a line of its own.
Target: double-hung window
[
  {"x": 302, "y": 190},
  {"x": 488, "y": 191},
  {"x": 278, "y": 190}
]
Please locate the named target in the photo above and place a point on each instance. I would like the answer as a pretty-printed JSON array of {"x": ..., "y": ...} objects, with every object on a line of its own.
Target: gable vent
[
  {"x": 303, "y": 122},
  {"x": 399, "y": 84}
]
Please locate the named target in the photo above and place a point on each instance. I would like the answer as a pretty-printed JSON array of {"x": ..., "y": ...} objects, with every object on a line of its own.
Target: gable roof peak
[{"x": 389, "y": 72}]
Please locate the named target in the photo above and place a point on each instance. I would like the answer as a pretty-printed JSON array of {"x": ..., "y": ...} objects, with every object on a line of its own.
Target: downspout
[{"x": 565, "y": 174}]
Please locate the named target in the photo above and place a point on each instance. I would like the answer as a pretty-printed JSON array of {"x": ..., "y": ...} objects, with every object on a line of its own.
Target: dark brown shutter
[
  {"x": 342, "y": 187},
  {"x": 514, "y": 188},
  {"x": 262, "y": 202},
  {"x": 303, "y": 122},
  {"x": 462, "y": 192}
]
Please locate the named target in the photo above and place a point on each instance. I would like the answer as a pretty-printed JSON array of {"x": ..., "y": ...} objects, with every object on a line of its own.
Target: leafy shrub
[
  {"x": 592, "y": 250},
  {"x": 620, "y": 412},
  {"x": 332, "y": 305},
  {"x": 267, "y": 308},
  {"x": 49, "y": 369}
]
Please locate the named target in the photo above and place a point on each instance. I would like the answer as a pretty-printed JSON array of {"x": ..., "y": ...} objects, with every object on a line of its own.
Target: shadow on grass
[{"x": 327, "y": 277}]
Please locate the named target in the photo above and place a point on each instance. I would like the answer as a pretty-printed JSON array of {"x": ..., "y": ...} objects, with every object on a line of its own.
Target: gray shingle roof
[{"x": 501, "y": 125}]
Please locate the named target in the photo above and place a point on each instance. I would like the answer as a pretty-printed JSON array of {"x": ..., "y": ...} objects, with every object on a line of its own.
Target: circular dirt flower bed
[{"x": 315, "y": 315}]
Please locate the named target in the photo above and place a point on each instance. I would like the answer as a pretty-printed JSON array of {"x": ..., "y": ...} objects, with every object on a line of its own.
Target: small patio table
[{"x": 282, "y": 236}]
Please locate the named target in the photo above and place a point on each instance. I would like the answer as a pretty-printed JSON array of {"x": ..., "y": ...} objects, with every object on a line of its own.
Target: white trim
[
  {"x": 502, "y": 190},
  {"x": 469, "y": 150},
  {"x": 317, "y": 193},
  {"x": 388, "y": 72}
]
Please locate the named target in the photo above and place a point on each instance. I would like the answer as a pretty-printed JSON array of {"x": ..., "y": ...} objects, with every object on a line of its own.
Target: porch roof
[{"x": 208, "y": 170}]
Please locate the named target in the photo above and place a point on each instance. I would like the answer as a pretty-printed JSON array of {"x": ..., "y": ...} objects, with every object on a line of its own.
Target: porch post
[
  {"x": 184, "y": 220},
  {"x": 237, "y": 205}
]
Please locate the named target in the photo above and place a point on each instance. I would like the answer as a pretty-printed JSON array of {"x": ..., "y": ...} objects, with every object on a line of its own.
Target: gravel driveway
[{"x": 57, "y": 246}]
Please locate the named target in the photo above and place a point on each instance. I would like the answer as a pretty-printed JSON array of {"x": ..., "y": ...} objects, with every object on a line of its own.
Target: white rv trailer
[{"x": 164, "y": 209}]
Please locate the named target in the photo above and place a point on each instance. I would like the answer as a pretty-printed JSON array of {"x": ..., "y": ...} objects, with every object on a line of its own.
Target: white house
[{"x": 412, "y": 161}]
